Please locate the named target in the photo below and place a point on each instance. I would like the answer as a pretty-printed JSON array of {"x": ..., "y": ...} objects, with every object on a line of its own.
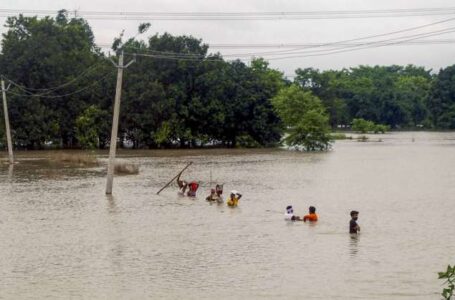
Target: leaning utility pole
[
  {"x": 8, "y": 132},
  {"x": 113, "y": 144}
]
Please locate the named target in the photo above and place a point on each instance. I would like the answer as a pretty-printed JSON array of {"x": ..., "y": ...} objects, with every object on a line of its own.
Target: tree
[
  {"x": 53, "y": 59},
  {"x": 442, "y": 100},
  {"x": 91, "y": 127},
  {"x": 305, "y": 117},
  {"x": 393, "y": 95},
  {"x": 327, "y": 86}
]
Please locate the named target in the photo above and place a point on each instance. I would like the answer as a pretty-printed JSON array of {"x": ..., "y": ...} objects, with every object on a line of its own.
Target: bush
[
  {"x": 340, "y": 136},
  {"x": 79, "y": 159},
  {"x": 125, "y": 168},
  {"x": 362, "y": 138},
  {"x": 246, "y": 141},
  {"x": 364, "y": 126},
  {"x": 381, "y": 128},
  {"x": 449, "y": 275}
]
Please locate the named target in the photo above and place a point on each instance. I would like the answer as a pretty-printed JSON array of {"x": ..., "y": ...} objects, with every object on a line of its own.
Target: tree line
[{"x": 176, "y": 94}]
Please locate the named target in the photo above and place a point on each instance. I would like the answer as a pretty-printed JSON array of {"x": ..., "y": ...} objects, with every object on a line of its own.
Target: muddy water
[{"x": 61, "y": 237}]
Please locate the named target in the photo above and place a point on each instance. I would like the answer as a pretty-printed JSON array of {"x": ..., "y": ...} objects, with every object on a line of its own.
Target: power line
[
  {"x": 52, "y": 89},
  {"x": 299, "y": 45},
  {"x": 59, "y": 96},
  {"x": 239, "y": 16},
  {"x": 384, "y": 42},
  {"x": 380, "y": 35},
  {"x": 161, "y": 54},
  {"x": 379, "y": 43},
  {"x": 360, "y": 48},
  {"x": 307, "y": 53},
  {"x": 304, "y": 45}
]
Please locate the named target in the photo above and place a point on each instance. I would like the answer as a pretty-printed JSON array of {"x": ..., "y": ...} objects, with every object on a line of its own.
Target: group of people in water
[
  {"x": 313, "y": 217},
  {"x": 189, "y": 189}
]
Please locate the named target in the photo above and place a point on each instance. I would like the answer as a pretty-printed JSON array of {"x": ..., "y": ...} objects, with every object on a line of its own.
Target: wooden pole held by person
[{"x": 167, "y": 184}]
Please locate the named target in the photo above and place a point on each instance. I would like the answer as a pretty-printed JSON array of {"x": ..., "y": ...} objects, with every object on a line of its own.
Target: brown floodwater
[{"x": 62, "y": 237}]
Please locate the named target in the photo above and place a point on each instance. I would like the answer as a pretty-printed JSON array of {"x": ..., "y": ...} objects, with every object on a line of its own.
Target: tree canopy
[
  {"x": 305, "y": 116},
  {"x": 178, "y": 94}
]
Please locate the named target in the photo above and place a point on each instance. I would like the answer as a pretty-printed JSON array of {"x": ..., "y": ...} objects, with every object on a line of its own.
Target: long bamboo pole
[{"x": 167, "y": 184}]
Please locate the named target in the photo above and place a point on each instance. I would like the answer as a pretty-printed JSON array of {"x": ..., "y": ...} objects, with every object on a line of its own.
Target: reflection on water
[
  {"x": 10, "y": 172},
  {"x": 353, "y": 244},
  {"x": 62, "y": 237}
]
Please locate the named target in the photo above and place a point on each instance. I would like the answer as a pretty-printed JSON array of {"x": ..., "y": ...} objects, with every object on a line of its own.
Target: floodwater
[{"x": 62, "y": 237}]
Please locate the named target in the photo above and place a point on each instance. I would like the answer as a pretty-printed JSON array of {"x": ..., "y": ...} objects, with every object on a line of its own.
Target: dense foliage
[
  {"x": 305, "y": 117},
  {"x": 393, "y": 95},
  {"x": 166, "y": 102},
  {"x": 181, "y": 96}
]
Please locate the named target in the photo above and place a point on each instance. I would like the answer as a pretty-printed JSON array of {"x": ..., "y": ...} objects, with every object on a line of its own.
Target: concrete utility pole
[
  {"x": 8, "y": 132},
  {"x": 113, "y": 144}
]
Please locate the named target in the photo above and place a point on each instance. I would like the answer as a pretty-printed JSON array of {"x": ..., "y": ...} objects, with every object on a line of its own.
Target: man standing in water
[
  {"x": 353, "y": 226},
  {"x": 214, "y": 197},
  {"x": 289, "y": 214},
  {"x": 312, "y": 216}
]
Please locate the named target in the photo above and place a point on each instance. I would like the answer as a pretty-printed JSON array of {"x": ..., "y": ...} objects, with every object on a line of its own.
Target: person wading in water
[{"x": 191, "y": 186}]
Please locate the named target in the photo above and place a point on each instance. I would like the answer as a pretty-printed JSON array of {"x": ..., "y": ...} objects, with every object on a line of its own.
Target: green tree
[
  {"x": 362, "y": 125},
  {"x": 442, "y": 100},
  {"x": 91, "y": 127},
  {"x": 413, "y": 93},
  {"x": 47, "y": 56},
  {"x": 327, "y": 86},
  {"x": 305, "y": 117}
]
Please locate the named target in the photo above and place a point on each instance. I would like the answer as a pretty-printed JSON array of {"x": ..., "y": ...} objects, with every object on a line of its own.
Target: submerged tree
[{"x": 305, "y": 117}]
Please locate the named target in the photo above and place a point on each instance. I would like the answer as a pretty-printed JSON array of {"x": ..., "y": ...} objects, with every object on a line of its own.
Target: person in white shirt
[{"x": 289, "y": 214}]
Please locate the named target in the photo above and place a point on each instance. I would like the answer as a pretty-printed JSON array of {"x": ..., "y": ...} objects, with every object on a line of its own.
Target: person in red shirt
[
  {"x": 184, "y": 185},
  {"x": 312, "y": 216}
]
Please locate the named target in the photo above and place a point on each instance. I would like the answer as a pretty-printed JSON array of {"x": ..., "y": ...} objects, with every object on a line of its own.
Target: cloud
[{"x": 275, "y": 31}]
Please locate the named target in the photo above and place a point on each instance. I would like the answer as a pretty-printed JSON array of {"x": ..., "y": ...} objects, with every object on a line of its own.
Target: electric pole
[
  {"x": 8, "y": 132},
  {"x": 113, "y": 144}
]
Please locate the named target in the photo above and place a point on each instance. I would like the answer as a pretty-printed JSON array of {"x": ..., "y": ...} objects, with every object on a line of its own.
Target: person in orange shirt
[{"x": 312, "y": 216}]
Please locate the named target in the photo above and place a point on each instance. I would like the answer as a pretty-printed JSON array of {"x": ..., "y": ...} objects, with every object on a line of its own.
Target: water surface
[{"x": 63, "y": 238}]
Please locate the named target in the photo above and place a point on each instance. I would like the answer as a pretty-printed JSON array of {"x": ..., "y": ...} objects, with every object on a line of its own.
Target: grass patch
[
  {"x": 362, "y": 138},
  {"x": 340, "y": 136},
  {"x": 126, "y": 168},
  {"x": 77, "y": 159}
]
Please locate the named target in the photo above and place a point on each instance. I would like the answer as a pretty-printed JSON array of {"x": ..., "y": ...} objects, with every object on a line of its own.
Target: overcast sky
[{"x": 276, "y": 31}]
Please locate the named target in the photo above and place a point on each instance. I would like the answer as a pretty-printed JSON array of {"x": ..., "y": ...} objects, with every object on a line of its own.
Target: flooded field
[{"x": 62, "y": 237}]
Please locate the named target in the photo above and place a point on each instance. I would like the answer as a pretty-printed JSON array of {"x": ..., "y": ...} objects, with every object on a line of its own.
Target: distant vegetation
[{"x": 182, "y": 96}]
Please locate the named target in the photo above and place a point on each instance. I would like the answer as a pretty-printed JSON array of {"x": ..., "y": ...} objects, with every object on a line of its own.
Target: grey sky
[{"x": 276, "y": 31}]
